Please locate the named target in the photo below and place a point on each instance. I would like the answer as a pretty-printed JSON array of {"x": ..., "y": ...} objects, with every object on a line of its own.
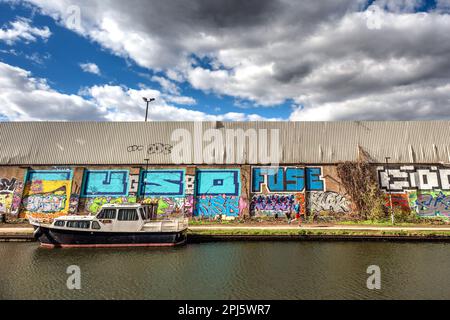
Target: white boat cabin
[{"x": 120, "y": 218}]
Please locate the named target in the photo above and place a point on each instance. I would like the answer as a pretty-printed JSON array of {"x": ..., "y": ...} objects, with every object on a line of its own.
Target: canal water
[{"x": 238, "y": 270}]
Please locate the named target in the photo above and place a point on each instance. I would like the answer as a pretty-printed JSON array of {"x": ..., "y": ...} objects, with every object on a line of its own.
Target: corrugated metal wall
[{"x": 89, "y": 143}]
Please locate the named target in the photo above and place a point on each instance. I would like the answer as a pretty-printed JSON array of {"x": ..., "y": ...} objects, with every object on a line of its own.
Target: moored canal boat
[{"x": 124, "y": 225}]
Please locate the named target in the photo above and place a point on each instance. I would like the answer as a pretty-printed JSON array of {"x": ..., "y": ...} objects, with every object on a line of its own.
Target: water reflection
[{"x": 262, "y": 270}]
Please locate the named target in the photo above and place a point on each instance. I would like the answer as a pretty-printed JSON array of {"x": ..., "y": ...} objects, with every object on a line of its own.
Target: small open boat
[{"x": 121, "y": 225}]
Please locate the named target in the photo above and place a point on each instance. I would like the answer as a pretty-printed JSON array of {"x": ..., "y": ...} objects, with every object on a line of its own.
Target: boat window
[
  {"x": 95, "y": 225},
  {"x": 107, "y": 214},
  {"x": 79, "y": 224},
  {"x": 144, "y": 214},
  {"x": 128, "y": 215},
  {"x": 60, "y": 223}
]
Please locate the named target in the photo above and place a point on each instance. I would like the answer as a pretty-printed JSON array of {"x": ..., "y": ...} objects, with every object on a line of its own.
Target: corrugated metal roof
[{"x": 91, "y": 143}]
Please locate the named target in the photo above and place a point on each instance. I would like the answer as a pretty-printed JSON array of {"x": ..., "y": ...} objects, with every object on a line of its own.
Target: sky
[{"x": 224, "y": 60}]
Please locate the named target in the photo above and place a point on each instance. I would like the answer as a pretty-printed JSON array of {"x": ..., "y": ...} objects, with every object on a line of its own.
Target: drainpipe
[
  {"x": 306, "y": 193},
  {"x": 389, "y": 190}
]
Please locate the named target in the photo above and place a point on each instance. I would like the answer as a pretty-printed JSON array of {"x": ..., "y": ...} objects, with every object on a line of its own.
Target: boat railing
[{"x": 174, "y": 225}]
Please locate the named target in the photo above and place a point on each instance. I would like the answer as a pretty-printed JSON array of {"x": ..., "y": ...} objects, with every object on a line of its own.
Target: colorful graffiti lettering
[
  {"x": 432, "y": 204},
  {"x": 93, "y": 205},
  {"x": 212, "y": 206},
  {"x": 217, "y": 193},
  {"x": 162, "y": 183},
  {"x": 7, "y": 185},
  {"x": 399, "y": 201},
  {"x": 7, "y": 188},
  {"x": 328, "y": 201},
  {"x": 49, "y": 203},
  {"x": 270, "y": 205},
  {"x": 405, "y": 178},
  {"x": 105, "y": 183},
  {"x": 172, "y": 207},
  {"x": 17, "y": 199},
  {"x": 6, "y": 200},
  {"x": 73, "y": 204},
  {"x": 287, "y": 179},
  {"x": 47, "y": 193}
]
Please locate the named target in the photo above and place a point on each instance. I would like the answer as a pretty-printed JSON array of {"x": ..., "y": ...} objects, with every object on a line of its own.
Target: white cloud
[
  {"x": 90, "y": 67},
  {"x": 21, "y": 30},
  {"x": 26, "y": 98},
  {"x": 166, "y": 85},
  {"x": 327, "y": 56}
]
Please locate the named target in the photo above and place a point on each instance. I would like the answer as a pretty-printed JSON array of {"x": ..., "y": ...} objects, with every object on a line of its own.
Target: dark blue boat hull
[{"x": 58, "y": 238}]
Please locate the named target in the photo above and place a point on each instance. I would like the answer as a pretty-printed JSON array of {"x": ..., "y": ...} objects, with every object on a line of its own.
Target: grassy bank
[{"x": 301, "y": 232}]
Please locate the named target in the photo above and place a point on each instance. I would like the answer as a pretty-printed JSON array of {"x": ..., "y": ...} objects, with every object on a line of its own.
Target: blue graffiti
[
  {"x": 167, "y": 183},
  {"x": 211, "y": 206},
  {"x": 287, "y": 179},
  {"x": 218, "y": 182},
  {"x": 105, "y": 183},
  {"x": 217, "y": 193},
  {"x": 314, "y": 179},
  {"x": 47, "y": 175}
]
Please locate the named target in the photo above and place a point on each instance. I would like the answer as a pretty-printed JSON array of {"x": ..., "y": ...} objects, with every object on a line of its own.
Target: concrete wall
[{"x": 206, "y": 191}]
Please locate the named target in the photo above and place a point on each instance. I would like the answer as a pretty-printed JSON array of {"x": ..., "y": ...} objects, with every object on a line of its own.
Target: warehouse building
[{"x": 48, "y": 169}]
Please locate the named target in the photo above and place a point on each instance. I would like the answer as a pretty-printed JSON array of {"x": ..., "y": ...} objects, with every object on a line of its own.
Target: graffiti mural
[
  {"x": 93, "y": 205},
  {"x": 17, "y": 199},
  {"x": 277, "y": 204},
  {"x": 287, "y": 179},
  {"x": 105, "y": 183},
  {"x": 404, "y": 178},
  {"x": 162, "y": 183},
  {"x": 422, "y": 189},
  {"x": 7, "y": 188},
  {"x": 328, "y": 201},
  {"x": 217, "y": 193},
  {"x": 213, "y": 206},
  {"x": 168, "y": 189},
  {"x": 172, "y": 207},
  {"x": 431, "y": 204},
  {"x": 47, "y": 193},
  {"x": 399, "y": 201}
]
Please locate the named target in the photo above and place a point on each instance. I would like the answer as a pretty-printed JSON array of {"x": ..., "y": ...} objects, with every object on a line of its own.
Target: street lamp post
[
  {"x": 147, "y": 100},
  {"x": 389, "y": 190}
]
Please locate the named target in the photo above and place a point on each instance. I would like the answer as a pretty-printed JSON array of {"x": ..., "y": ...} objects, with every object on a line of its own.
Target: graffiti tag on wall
[
  {"x": 212, "y": 206},
  {"x": 93, "y": 205},
  {"x": 172, "y": 207},
  {"x": 154, "y": 148},
  {"x": 277, "y": 204},
  {"x": 431, "y": 204},
  {"x": 217, "y": 193},
  {"x": 287, "y": 179},
  {"x": 47, "y": 193},
  {"x": 406, "y": 178},
  {"x": 423, "y": 189},
  {"x": 158, "y": 183},
  {"x": 328, "y": 201},
  {"x": 7, "y": 188},
  {"x": 108, "y": 183}
]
